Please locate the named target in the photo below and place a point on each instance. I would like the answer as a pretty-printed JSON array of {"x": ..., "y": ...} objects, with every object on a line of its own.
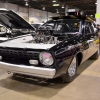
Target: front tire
[{"x": 71, "y": 71}]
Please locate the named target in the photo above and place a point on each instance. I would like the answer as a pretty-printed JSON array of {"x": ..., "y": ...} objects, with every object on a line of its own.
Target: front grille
[{"x": 18, "y": 56}]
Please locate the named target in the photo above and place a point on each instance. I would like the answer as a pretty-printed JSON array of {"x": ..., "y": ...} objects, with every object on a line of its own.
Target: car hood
[
  {"x": 21, "y": 42},
  {"x": 27, "y": 45},
  {"x": 12, "y": 20}
]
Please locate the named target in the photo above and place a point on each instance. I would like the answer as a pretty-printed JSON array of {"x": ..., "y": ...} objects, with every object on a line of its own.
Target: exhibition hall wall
[{"x": 29, "y": 14}]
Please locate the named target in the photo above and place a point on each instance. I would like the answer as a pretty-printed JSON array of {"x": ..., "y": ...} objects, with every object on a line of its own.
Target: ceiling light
[
  {"x": 43, "y": 8},
  {"x": 56, "y": 4},
  {"x": 54, "y": 1},
  {"x": 57, "y": 11},
  {"x": 96, "y": 3},
  {"x": 26, "y": 4},
  {"x": 62, "y": 6}
]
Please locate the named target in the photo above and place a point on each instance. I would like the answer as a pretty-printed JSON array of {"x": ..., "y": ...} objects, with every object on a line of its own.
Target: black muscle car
[{"x": 56, "y": 49}]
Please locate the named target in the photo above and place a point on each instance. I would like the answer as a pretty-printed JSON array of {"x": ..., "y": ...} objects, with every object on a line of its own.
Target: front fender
[
  {"x": 63, "y": 68},
  {"x": 66, "y": 61}
]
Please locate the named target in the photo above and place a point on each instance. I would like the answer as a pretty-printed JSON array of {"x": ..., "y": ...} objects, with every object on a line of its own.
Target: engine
[{"x": 45, "y": 37}]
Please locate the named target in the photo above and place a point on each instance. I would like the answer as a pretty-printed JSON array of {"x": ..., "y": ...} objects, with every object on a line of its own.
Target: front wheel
[{"x": 71, "y": 71}]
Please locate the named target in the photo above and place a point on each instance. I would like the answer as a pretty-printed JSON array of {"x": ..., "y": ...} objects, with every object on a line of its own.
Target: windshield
[
  {"x": 63, "y": 26},
  {"x": 36, "y": 25}
]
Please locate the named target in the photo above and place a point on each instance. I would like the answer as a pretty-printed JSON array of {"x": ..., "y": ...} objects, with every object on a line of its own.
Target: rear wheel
[
  {"x": 15, "y": 74},
  {"x": 71, "y": 72},
  {"x": 95, "y": 56}
]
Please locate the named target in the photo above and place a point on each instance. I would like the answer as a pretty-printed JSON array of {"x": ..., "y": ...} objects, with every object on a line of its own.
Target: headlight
[{"x": 46, "y": 58}]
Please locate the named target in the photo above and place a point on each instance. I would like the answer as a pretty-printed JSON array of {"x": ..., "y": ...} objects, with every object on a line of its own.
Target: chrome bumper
[{"x": 29, "y": 70}]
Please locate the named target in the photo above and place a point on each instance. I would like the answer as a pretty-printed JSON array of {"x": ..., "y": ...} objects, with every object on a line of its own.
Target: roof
[{"x": 82, "y": 17}]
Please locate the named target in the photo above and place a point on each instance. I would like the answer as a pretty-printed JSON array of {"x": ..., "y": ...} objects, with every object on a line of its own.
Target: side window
[
  {"x": 91, "y": 27},
  {"x": 87, "y": 28}
]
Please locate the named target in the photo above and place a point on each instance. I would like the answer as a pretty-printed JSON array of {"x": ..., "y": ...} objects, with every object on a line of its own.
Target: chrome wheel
[
  {"x": 71, "y": 71},
  {"x": 72, "y": 67}
]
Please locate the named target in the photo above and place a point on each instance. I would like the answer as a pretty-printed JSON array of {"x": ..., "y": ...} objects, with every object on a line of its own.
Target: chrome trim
[{"x": 29, "y": 70}]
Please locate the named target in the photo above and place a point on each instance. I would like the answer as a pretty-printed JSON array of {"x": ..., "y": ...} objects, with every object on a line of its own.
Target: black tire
[
  {"x": 14, "y": 75},
  {"x": 68, "y": 77},
  {"x": 95, "y": 56}
]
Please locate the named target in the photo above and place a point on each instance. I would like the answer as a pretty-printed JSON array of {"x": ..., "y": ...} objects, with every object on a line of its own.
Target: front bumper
[{"x": 29, "y": 70}]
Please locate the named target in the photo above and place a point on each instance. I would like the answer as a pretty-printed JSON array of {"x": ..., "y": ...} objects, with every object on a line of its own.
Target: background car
[{"x": 13, "y": 26}]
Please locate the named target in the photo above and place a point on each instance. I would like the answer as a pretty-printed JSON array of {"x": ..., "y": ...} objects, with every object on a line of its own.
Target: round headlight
[{"x": 46, "y": 58}]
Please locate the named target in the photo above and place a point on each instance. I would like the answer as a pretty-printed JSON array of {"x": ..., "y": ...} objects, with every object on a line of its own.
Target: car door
[
  {"x": 90, "y": 38},
  {"x": 94, "y": 38}
]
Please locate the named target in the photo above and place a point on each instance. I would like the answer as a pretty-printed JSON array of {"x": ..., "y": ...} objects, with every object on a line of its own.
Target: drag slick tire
[{"x": 71, "y": 71}]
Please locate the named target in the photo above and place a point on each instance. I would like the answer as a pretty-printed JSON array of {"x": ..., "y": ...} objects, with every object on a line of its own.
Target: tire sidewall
[{"x": 66, "y": 77}]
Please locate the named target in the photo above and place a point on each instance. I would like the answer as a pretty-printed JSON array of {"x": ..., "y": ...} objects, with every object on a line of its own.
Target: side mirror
[
  {"x": 95, "y": 29},
  {"x": 85, "y": 45}
]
